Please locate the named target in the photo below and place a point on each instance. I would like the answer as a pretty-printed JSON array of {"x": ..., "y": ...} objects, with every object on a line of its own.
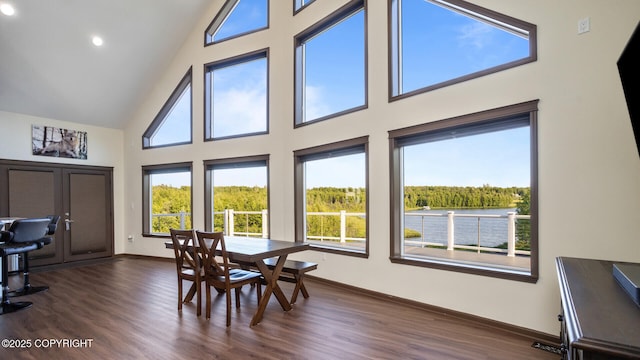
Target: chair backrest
[
  {"x": 25, "y": 230},
  {"x": 185, "y": 249},
  {"x": 215, "y": 259},
  {"x": 53, "y": 224}
]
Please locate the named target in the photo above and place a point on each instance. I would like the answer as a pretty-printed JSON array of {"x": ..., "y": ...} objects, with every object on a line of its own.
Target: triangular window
[
  {"x": 436, "y": 43},
  {"x": 237, "y": 18},
  {"x": 172, "y": 125}
]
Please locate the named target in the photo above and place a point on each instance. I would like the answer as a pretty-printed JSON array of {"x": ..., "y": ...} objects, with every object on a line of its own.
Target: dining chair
[
  {"x": 221, "y": 274},
  {"x": 188, "y": 266}
]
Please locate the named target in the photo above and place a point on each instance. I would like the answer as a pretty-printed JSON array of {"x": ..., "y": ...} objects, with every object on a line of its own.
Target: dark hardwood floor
[{"x": 126, "y": 308}]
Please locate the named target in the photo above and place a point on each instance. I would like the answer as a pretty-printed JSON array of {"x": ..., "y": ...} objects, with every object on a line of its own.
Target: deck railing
[
  {"x": 230, "y": 221},
  {"x": 451, "y": 245},
  {"x": 343, "y": 238},
  {"x": 230, "y": 228}
]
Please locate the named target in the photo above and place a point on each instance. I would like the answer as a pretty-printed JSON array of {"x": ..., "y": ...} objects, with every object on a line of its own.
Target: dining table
[{"x": 254, "y": 251}]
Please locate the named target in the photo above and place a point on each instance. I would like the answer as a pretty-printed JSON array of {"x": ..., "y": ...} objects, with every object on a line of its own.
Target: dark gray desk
[{"x": 599, "y": 319}]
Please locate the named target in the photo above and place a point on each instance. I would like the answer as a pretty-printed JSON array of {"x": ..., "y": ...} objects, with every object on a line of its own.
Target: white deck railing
[
  {"x": 230, "y": 220},
  {"x": 511, "y": 218}
]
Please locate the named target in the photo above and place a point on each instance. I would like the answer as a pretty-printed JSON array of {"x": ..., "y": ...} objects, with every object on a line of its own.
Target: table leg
[{"x": 271, "y": 278}]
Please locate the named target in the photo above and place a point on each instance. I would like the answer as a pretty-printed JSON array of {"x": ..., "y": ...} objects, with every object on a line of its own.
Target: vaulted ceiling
[{"x": 50, "y": 68}]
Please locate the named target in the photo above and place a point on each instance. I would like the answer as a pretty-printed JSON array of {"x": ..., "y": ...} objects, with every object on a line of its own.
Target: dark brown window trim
[
  {"x": 478, "y": 118},
  {"x": 350, "y": 8},
  {"x": 164, "y": 111},
  {"x": 533, "y": 49},
  {"x": 359, "y": 145},
  {"x": 222, "y": 15},
  {"x": 148, "y": 170},
  {"x": 230, "y": 162},
  {"x": 210, "y": 67},
  {"x": 295, "y": 11}
]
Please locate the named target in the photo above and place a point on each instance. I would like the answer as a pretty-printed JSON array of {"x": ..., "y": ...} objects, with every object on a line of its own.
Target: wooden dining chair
[
  {"x": 188, "y": 266},
  {"x": 219, "y": 273}
]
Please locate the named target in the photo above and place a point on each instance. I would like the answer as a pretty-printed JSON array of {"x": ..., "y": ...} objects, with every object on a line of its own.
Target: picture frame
[{"x": 58, "y": 142}]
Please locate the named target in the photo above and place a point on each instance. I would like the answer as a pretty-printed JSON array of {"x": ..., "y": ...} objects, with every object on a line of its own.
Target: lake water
[{"x": 493, "y": 231}]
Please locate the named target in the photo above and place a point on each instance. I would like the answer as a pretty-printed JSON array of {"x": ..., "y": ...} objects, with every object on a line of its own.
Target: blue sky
[
  {"x": 497, "y": 159},
  {"x": 438, "y": 44}
]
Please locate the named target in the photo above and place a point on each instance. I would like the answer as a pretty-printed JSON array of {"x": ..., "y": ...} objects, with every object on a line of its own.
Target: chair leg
[
  {"x": 6, "y": 306},
  {"x": 207, "y": 288},
  {"x": 179, "y": 294},
  {"x": 228, "y": 296},
  {"x": 199, "y": 295},
  {"x": 27, "y": 289},
  {"x": 237, "y": 291}
]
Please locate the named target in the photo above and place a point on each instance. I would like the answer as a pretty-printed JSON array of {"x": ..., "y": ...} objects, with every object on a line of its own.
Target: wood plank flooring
[{"x": 127, "y": 309}]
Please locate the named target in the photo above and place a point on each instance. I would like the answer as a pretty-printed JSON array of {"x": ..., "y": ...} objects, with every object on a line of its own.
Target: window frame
[
  {"x": 235, "y": 162},
  {"x": 329, "y": 21},
  {"x": 159, "y": 119},
  {"x": 337, "y": 148},
  {"x": 222, "y": 15},
  {"x": 208, "y": 82},
  {"x": 299, "y": 6},
  {"x": 488, "y": 118},
  {"x": 395, "y": 69},
  {"x": 147, "y": 171}
]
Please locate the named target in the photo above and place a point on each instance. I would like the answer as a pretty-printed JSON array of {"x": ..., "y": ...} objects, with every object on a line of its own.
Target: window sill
[{"x": 468, "y": 267}]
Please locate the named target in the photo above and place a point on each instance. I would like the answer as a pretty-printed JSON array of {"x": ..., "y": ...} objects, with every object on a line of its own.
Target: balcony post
[
  {"x": 343, "y": 226},
  {"x": 511, "y": 234},
  {"x": 182, "y": 223},
  {"x": 265, "y": 223},
  {"x": 450, "y": 235},
  {"x": 230, "y": 221},
  {"x": 225, "y": 224}
]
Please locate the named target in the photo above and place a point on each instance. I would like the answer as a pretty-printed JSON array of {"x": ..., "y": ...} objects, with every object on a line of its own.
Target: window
[
  {"x": 237, "y": 18},
  {"x": 236, "y": 97},
  {"x": 331, "y": 193},
  {"x": 464, "y": 195},
  {"x": 331, "y": 66},
  {"x": 166, "y": 196},
  {"x": 237, "y": 196},
  {"x": 435, "y": 43},
  {"x": 298, "y": 5},
  {"x": 172, "y": 125}
]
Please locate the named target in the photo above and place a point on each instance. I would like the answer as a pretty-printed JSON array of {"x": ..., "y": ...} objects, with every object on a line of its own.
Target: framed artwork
[{"x": 51, "y": 141}]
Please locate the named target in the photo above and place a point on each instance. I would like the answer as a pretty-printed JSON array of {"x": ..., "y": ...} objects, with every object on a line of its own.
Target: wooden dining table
[{"x": 255, "y": 251}]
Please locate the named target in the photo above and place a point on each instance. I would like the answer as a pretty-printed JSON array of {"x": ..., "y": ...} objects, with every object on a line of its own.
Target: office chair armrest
[{"x": 6, "y": 236}]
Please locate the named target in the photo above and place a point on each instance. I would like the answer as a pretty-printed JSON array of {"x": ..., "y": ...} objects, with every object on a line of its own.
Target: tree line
[{"x": 459, "y": 197}]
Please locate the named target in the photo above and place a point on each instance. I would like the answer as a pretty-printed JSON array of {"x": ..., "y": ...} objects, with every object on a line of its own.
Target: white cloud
[
  {"x": 315, "y": 102},
  {"x": 476, "y": 34}
]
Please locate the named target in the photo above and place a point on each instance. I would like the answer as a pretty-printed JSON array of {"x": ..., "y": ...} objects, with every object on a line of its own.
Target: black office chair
[
  {"x": 27, "y": 288},
  {"x": 23, "y": 236}
]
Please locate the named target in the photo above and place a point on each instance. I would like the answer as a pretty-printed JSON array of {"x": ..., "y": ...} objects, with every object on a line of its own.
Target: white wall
[
  {"x": 589, "y": 170},
  {"x": 104, "y": 148}
]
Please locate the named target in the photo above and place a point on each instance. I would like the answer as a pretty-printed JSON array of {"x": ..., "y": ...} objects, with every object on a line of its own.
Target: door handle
[{"x": 67, "y": 223}]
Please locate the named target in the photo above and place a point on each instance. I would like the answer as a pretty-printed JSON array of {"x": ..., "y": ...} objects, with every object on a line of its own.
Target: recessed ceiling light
[
  {"x": 7, "y": 9},
  {"x": 97, "y": 41}
]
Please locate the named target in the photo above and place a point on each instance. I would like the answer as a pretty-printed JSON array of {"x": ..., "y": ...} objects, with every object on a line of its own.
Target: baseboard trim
[{"x": 498, "y": 325}]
